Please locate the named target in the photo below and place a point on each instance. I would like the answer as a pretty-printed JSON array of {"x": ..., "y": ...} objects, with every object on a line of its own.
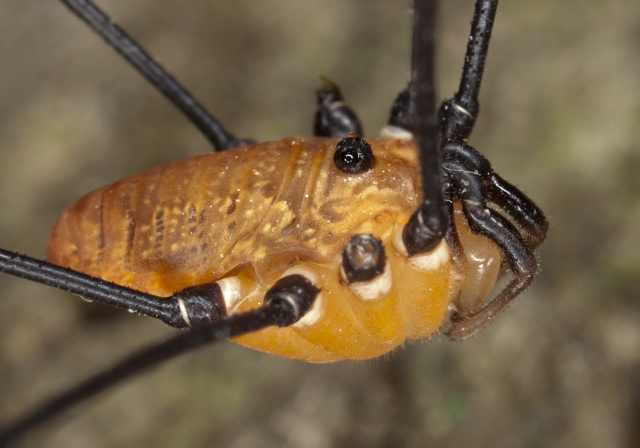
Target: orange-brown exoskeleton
[
  {"x": 323, "y": 248},
  {"x": 248, "y": 216}
]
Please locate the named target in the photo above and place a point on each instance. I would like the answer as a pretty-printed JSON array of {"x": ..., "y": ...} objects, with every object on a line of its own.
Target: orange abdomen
[
  {"x": 247, "y": 216},
  {"x": 173, "y": 226}
]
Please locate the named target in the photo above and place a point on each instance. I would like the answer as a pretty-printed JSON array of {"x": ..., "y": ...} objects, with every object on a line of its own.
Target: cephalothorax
[{"x": 323, "y": 248}]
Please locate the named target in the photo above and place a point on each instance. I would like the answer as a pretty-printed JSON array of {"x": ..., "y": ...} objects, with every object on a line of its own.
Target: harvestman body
[{"x": 323, "y": 248}]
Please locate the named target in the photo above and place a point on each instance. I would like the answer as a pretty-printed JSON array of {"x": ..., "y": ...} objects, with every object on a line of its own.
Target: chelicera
[{"x": 315, "y": 248}]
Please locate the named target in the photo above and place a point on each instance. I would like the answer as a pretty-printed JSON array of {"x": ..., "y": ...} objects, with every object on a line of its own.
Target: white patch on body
[
  {"x": 314, "y": 314},
  {"x": 395, "y": 133},
  {"x": 377, "y": 288},
  {"x": 231, "y": 288},
  {"x": 426, "y": 262}
]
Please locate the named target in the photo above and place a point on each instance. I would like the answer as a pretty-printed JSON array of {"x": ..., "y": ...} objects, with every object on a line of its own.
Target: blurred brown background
[{"x": 560, "y": 118}]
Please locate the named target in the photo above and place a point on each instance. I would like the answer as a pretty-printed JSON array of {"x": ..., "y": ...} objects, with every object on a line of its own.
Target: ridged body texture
[{"x": 254, "y": 212}]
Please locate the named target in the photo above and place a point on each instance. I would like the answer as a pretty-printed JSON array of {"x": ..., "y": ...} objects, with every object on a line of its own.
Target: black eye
[{"x": 353, "y": 155}]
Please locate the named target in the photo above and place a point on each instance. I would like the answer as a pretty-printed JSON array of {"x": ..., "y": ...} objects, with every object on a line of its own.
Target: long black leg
[
  {"x": 284, "y": 304},
  {"x": 188, "y": 303},
  {"x": 458, "y": 114},
  {"x": 428, "y": 225},
  {"x": 102, "y": 24}
]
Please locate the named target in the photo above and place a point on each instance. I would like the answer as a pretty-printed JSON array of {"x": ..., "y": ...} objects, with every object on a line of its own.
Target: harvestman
[{"x": 376, "y": 265}]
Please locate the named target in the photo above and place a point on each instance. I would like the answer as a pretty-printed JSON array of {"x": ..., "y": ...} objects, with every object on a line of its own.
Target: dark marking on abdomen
[
  {"x": 159, "y": 226},
  {"x": 232, "y": 206}
]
